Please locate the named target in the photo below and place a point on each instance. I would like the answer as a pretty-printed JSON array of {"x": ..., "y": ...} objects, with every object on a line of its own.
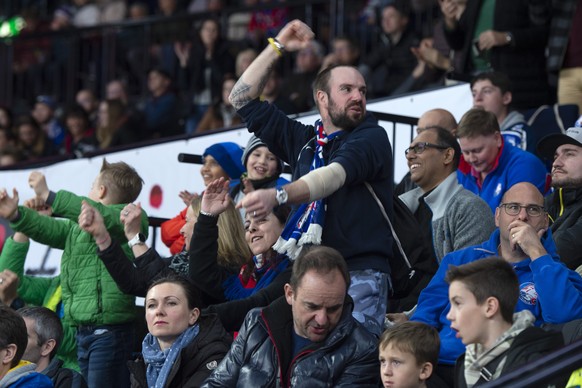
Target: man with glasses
[
  {"x": 434, "y": 118},
  {"x": 551, "y": 291},
  {"x": 564, "y": 205},
  {"x": 491, "y": 165},
  {"x": 445, "y": 210}
]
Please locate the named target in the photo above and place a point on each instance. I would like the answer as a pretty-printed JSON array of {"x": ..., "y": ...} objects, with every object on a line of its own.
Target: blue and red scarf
[{"x": 305, "y": 227}]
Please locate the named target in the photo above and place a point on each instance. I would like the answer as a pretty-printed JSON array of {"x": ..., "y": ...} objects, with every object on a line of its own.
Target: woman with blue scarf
[{"x": 182, "y": 346}]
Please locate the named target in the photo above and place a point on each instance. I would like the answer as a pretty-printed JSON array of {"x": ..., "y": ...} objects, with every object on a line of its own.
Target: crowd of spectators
[
  {"x": 169, "y": 72},
  {"x": 332, "y": 302}
]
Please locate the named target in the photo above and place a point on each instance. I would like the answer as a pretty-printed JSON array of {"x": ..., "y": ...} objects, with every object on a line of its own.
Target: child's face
[
  {"x": 399, "y": 369},
  {"x": 95, "y": 192},
  {"x": 211, "y": 170},
  {"x": 466, "y": 316},
  {"x": 261, "y": 164}
]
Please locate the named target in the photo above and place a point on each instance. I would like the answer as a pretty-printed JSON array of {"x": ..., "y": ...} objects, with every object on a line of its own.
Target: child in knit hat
[
  {"x": 221, "y": 160},
  {"x": 263, "y": 170}
]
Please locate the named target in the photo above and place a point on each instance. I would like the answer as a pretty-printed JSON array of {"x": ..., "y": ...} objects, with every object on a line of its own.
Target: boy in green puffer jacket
[{"x": 102, "y": 314}]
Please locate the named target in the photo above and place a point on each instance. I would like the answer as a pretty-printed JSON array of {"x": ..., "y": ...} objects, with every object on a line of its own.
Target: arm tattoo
[
  {"x": 239, "y": 96},
  {"x": 264, "y": 79}
]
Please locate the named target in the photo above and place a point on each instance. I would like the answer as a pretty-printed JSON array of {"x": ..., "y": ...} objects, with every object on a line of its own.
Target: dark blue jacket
[
  {"x": 354, "y": 224},
  {"x": 261, "y": 355}
]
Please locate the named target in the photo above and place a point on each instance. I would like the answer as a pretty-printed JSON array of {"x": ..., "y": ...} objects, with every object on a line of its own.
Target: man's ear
[
  {"x": 48, "y": 347},
  {"x": 449, "y": 155},
  {"x": 9, "y": 355},
  {"x": 425, "y": 371},
  {"x": 289, "y": 293},
  {"x": 321, "y": 98}
]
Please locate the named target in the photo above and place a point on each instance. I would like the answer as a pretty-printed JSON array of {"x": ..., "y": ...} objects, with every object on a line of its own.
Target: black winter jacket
[
  {"x": 196, "y": 361},
  {"x": 261, "y": 354},
  {"x": 528, "y": 346},
  {"x": 567, "y": 226}
]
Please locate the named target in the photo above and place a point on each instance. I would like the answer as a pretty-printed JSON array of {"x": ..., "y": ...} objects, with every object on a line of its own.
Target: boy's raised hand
[
  {"x": 39, "y": 205},
  {"x": 8, "y": 286},
  {"x": 91, "y": 221},
  {"x": 37, "y": 182},
  {"x": 9, "y": 205}
]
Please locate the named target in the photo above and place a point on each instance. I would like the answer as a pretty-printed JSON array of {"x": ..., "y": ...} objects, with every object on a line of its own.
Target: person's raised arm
[
  {"x": 91, "y": 221},
  {"x": 130, "y": 218},
  {"x": 204, "y": 269},
  {"x": 294, "y": 36}
]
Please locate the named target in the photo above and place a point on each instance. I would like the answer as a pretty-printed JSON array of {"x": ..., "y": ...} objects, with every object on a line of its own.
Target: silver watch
[
  {"x": 138, "y": 239},
  {"x": 281, "y": 195}
]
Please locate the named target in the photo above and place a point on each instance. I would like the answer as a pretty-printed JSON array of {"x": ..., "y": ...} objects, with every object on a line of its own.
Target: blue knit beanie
[{"x": 228, "y": 155}]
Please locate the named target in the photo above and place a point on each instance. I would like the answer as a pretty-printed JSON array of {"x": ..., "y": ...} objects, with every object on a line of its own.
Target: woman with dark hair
[
  {"x": 182, "y": 346},
  {"x": 221, "y": 114},
  {"x": 112, "y": 124},
  {"x": 202, "y": 69},
  {"x": 80, "y": 137},
  {"x": 31, "y": 141}
]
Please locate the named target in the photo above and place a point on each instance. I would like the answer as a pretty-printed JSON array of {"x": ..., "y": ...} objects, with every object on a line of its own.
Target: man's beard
[
  {"x": 340, "y": 119},
  {"x": 567, "y": 183}
]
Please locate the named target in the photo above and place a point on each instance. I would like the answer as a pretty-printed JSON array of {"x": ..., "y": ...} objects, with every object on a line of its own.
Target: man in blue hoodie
[
  {"x": 547, "y": 288},
  {"x": 14, "y": 372}
]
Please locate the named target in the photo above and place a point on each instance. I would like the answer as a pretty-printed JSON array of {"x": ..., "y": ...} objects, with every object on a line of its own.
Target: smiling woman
[{"x": 182, "y": 347}]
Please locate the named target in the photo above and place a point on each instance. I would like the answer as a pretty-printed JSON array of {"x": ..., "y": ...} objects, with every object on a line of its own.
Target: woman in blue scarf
[{"x": 182, "y": 346}]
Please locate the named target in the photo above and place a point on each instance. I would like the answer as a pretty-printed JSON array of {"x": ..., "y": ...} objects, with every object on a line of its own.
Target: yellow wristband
[{"x": 278, "y": 47}]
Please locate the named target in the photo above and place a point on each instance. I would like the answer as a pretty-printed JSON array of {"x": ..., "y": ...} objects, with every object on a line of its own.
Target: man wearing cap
[
  {"x": 564, "y": 205},
  {"x": 44, "y": 114}
]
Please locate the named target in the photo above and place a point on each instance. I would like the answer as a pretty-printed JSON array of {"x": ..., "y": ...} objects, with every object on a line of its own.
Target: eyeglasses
[
  {"x": 420, "y": 147},
  {"x": 513, "y": 209}
]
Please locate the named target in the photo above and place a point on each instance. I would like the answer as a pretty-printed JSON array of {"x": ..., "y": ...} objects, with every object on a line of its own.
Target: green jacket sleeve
[
  {"x": 68, "y": 205},
  {"x": 32, "y": 290},
  {"x": 42, "y": 229}
]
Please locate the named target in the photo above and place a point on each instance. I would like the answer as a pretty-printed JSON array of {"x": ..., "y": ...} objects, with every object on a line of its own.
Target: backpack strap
[
  {"x": 488, "y": 371},
  {"x": 396, "y": 239}
]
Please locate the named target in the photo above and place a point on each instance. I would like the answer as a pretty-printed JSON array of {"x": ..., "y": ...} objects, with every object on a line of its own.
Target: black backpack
[{"x": 413, "y": 262}]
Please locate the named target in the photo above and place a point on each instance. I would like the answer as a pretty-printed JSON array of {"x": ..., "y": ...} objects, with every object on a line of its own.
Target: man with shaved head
[
  {"x": 434, "y": 118},
  {"x": 547, "y": 288},
  {"x": 437, "y": 118}
]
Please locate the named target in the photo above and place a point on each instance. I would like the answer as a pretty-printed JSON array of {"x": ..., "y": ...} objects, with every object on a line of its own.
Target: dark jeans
[{"x": 103, "y": 352}]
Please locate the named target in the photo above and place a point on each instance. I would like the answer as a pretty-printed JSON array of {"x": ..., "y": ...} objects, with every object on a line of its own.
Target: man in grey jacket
[
  {"x": 308, "y": 338},
  {"x": 451, "y": 216}
]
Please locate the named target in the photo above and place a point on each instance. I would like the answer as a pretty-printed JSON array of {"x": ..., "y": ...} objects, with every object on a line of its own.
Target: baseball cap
[
  {"x": 547, "y": 146},
  {"x": 48, "y": 101}
]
